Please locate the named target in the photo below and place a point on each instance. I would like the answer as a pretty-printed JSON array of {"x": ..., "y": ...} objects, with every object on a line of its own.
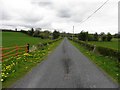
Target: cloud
[
  {"x": 59, "y": 14},
  {"x": 64, "y": 13}
]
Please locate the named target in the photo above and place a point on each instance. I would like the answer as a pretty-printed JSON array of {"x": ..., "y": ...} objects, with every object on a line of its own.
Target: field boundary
[
  {"x": 13, "y": 51},
  {"x": 99, "y": 49}
]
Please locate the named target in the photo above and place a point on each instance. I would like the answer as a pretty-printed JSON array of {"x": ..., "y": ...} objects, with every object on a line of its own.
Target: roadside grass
[
  {"x": 109, "y": 65},
  {"x": 112, "y": 44},
  {"x": 10, "y": 39},
  {"x": 16, "y": 68},
  {"x": 0, "y": 38}
]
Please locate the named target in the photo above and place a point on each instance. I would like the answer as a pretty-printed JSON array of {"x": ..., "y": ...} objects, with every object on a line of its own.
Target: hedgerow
[{"x": 101, "y": 50}]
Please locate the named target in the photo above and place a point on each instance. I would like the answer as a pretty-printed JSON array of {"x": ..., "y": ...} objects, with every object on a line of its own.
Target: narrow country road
[{"x": 66, "y": 67}]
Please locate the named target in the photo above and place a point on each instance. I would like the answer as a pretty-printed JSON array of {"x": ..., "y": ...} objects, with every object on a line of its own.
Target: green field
[
  {"x": 10, "y": 39},
  {"x": 112, "y": 44}
]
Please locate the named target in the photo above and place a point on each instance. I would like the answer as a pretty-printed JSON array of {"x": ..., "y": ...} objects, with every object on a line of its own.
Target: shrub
[
  {"x": 109, "y": 37},
  {"x": 103, "y": 37},
  {"x": 96, "y": 37},
  {"x": 56, "y": 34},
  {"x": 108, "y": 52},
  {"x": 87, "y": 45},
  {"x": 90, "y": 37},
  {"x": 83, "y": 36},
  {"x": 102, "y": 50}
]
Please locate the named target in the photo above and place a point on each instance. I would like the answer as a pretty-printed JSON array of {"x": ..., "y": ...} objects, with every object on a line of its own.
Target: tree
[
  {"x": 16, "y": 29},
  {"x": 45, "y": 34},
  {"x": 36, "y": 33},
  {"x": 90, "y": 37},
  {"x": 83, "y": 36},
  {"x": 117, "y": 35},
  {"x": 103, "y": 36},
  {"x": 30, "y": 32},
  {"x": 56, "y": 34},
  {"x": 109, "y": 37},
  {"x": 96, "y": 37}
]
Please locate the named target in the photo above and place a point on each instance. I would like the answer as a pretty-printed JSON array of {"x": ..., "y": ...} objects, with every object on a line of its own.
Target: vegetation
[
  {"x": 17, "y": 67},
  {"x": 113, "y": 44},
  {"x": 117, "y": 35},
  {"x": 101, "y": 50},
  {"x": 31, "y": 32},
  {"x": 17, "y": 38},
  {"x": 109, "y": 37},
  {"x": 45, "y": 35},
  {"x": 83, "y": 36},
  {"x": 56, "y": 34},
  {"x": 109, "y": 65},
  {"x": 96, "y": 37},
  {"x": 0, "y": 38},
  {"x": 36, "y": 33}
]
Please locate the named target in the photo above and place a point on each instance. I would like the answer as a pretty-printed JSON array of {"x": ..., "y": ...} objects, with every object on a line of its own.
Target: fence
[{"x": 13, "y": 51}]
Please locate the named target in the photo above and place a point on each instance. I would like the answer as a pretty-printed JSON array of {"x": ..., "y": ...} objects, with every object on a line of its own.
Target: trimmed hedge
[{"x": 102, "y": 50}]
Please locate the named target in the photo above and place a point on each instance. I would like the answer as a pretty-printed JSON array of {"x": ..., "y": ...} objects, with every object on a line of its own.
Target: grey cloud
[
  {"x": 31, "y": 18},
  {"x": 64, "y": 14},
  {"x": 5, "y": 15},
  {"x": 42, "y": 2},
  {"x": 48, "y": 13}
]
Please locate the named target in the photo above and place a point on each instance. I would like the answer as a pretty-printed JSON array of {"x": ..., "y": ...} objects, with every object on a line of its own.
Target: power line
[{"x": 94, "y": 12}]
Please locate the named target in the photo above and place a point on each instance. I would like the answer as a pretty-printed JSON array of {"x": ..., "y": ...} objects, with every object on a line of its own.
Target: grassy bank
[
  {"x": 16, "y": 68},
  {"x": 109, "y": 65}
]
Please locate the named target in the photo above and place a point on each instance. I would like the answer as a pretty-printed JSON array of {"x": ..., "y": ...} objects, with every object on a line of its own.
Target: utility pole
[{"x": 73, "y": 32}]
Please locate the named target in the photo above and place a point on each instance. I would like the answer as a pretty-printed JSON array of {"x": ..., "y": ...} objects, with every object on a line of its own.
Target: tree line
[
  {"x": 85, "y": 36},
  {"x": 42, "y": 34}
]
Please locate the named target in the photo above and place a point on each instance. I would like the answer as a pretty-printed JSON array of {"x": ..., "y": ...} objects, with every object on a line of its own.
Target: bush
[
  {"x": 56, "y": 34},
  {"x": 90, "y": 37},
  {"x": 83, "y": 36},
  {"x": 103, "y": 37},
  {"x": 87, "y": 45},
  {"x": 102, "y": 50},
  {"x": 109, "y": 37},
  {"x": 108, "y": 52},
  {"x": 96, "y": 37}
]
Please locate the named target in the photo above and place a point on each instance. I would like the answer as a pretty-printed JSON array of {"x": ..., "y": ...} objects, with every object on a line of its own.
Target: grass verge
[
  {"x": 16, "y": 68},
  {"x": 107, "y": 64}
]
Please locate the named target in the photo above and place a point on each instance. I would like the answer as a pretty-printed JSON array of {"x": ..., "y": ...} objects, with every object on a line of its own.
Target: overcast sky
[{"x": 60, "y": 14}]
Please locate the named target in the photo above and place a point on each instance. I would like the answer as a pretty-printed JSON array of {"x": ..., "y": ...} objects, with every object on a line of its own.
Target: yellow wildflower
[{"x": 2, "y": 80}]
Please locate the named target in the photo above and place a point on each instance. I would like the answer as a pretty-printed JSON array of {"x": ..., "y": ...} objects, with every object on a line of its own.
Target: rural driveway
[{"x": 66, "y": 67}]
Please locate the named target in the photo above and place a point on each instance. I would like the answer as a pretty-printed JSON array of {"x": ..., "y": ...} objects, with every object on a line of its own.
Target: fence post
[
  {"x": 94, "y": 48},
  {"x": 16, "y": 50},
  {"x": 27, "y": 48}
]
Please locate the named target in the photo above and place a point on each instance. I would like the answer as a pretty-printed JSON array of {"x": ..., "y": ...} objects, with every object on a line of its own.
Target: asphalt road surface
[{"x": 66, "y": 67}]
